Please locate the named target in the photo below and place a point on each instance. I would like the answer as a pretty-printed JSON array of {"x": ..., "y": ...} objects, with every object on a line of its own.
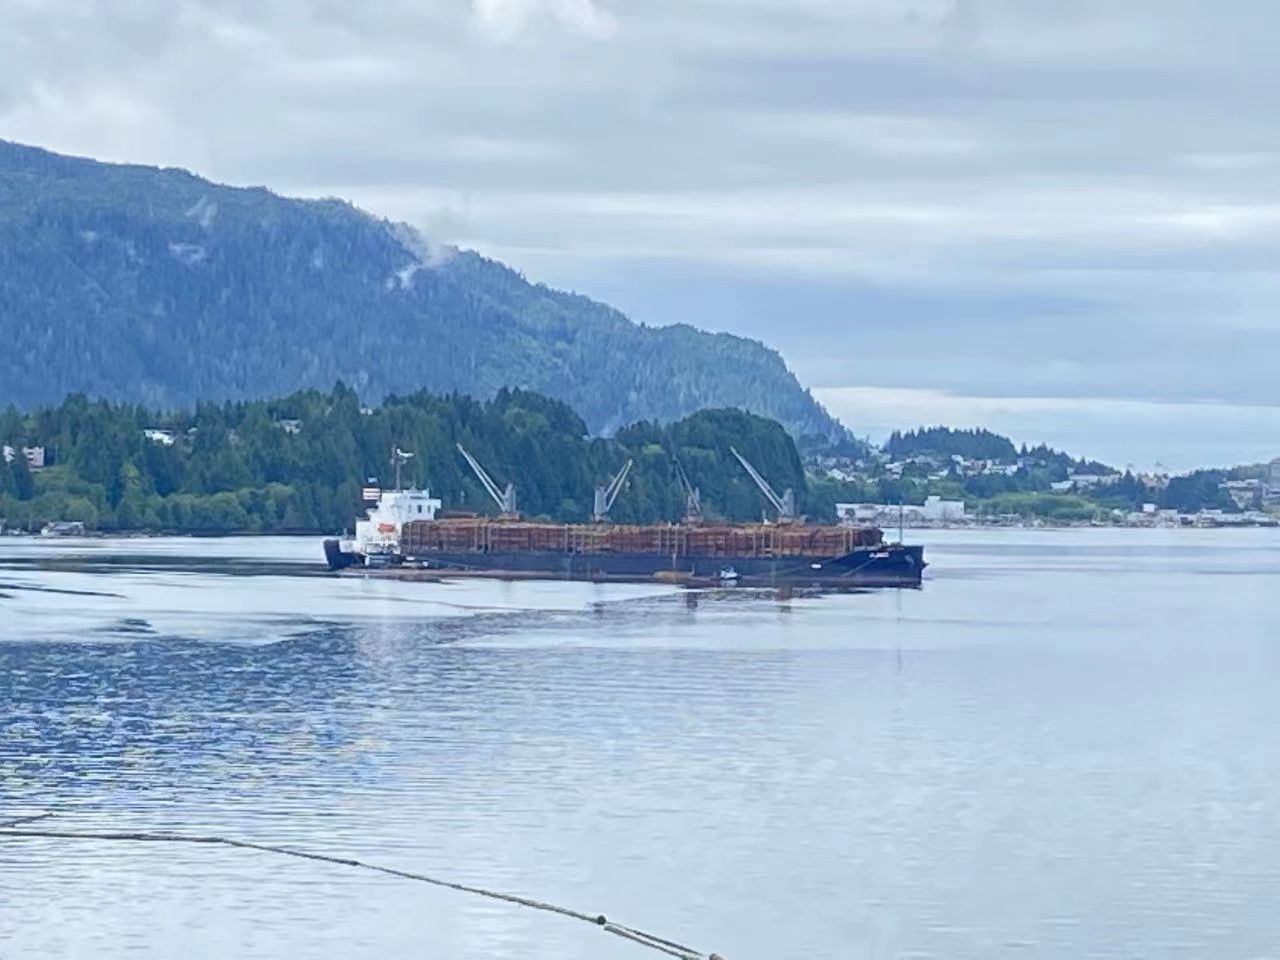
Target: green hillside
[{"x": 154, "y": 286}]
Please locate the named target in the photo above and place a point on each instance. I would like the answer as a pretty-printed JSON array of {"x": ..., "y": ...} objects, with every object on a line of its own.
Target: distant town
[{"x": 921, "y": 479}]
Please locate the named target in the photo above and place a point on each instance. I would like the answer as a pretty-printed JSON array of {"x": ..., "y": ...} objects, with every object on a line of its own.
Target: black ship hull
[{"x": 885, "y": 565}]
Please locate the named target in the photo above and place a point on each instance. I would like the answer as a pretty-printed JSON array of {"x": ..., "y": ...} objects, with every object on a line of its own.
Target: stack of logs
[{"x": 481, "y": 535}]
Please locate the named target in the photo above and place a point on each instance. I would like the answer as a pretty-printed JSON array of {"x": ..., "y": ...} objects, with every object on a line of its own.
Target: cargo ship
[{"x": 404, "y": 529}]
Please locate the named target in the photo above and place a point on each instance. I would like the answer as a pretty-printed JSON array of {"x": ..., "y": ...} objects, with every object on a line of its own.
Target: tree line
[{"x": 298, "y": 463}]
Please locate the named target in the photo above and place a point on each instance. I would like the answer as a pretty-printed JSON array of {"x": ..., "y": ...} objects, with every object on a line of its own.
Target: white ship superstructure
[{"x": 377, "y": 537}]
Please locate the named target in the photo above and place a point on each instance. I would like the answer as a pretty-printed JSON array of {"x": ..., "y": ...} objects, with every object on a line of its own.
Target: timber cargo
[
  {"x": 482, "y": 535},
  {"x": 819, "y": 555}
]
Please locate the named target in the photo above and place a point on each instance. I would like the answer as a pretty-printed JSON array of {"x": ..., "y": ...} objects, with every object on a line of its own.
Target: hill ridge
[{"x": 155, "y": 285}]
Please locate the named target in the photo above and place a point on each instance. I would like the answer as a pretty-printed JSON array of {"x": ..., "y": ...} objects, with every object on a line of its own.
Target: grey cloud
[{"x": 981, "y": 195}]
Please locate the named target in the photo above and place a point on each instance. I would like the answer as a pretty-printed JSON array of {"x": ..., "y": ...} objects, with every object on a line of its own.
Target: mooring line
[
  {"x": 21, "y": 820},
  {"x": 652, "y": 941}
]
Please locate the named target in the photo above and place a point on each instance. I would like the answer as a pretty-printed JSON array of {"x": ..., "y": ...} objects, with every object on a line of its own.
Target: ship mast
[
  {"x": 605, "y": 496},
  {"x": 505, "y": 499},
  {"x": 398, "y": 459},
  {"x": 785, "y": 504}
]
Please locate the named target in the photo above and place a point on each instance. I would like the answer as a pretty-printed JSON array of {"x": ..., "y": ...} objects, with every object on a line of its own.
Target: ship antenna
[{"x": 398, "y": 459}]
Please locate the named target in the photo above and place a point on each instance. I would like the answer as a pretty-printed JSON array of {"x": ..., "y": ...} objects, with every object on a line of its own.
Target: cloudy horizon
[{"x": 1053, "y": 218}]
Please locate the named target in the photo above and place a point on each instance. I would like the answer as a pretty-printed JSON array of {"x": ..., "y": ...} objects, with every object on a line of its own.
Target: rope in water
[
  {"x": 653, "y": 942},
  {"x": 20, "y": 820}
]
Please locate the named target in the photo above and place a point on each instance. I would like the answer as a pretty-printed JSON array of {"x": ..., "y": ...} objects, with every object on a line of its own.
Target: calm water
[{"x": 1063, "y": 747}]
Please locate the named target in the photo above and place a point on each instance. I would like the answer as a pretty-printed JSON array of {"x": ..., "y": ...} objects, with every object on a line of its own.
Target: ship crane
[
  {"x": 785, "y": 504},
  {"x": 505, "y": 499},
  {"x": 692, "y": 495},
  {"x": 605, "y": 496}
]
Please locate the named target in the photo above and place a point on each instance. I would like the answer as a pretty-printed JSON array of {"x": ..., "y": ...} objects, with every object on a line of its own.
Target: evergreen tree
[{"x": 23, "y": 484}]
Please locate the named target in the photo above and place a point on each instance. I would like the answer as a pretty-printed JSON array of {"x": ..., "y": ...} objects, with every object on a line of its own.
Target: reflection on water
[{"x": 1061, "y": 747}]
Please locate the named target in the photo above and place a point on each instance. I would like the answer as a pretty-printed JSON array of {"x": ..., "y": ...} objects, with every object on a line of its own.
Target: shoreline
[{"x": 1020, "y": 525}]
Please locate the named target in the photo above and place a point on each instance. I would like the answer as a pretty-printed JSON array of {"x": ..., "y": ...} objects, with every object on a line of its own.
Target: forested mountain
[
  {"x": 298, "y": 463},
  {"x": 154, "y": 286}
]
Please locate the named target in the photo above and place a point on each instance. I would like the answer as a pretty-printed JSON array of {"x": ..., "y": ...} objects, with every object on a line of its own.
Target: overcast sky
[{"x": 1058, "y": 218}]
